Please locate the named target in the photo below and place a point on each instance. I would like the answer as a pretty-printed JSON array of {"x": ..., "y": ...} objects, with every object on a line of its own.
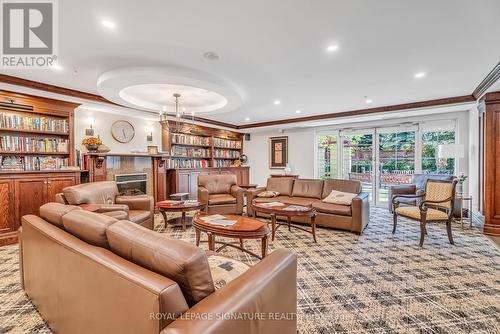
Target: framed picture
[
  {"x": 152, "y": 149},
  {"x": 278, "y": 152}
]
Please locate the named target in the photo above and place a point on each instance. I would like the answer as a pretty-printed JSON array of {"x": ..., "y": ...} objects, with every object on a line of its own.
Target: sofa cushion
[
  {"x": 53, "y": 212},
  {"x": 305, "y": 201},
  {"x": 339, "y": 197},
  {"x": 88, "y": 226},
  {"x": 283, "y": 199},
  {"x": 336, "y": 209},
  {"x": 225, "y": 269},
  {"x": 217, "y": 184},
  {"x": 268, "y": 194},
  {"x": 175, "y": 259},
  {"x": 307, "y": 188},
  {"x": 91, "y": 193},
  {"x": 348, "y": 186},
  {"x": 414, "y": 212},
  {"x": 283, "y": 185},
  {"x": 221, "y": 199}
]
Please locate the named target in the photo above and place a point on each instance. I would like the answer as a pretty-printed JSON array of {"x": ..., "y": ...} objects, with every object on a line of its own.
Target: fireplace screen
[{"x": 131, "y": 184}]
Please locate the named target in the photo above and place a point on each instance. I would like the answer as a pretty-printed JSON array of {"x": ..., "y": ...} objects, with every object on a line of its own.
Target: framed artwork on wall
[{"x": 278, "y": 152}]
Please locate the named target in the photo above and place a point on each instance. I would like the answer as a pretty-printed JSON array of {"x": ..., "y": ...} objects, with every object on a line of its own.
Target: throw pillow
[
  {"x": 268, "y": 194},
  {"x": 339, "y": 197}
]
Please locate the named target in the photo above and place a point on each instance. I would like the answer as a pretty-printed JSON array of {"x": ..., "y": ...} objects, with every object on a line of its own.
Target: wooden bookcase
[{"x": 24, "y": 190}]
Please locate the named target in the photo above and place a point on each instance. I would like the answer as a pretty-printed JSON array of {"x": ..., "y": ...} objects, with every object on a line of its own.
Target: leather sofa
[
  {"x": 91, "y": 273},
  {"x": 417, "y": 187},
  {"x": 138, "y": 209},
  {"x": 221, "y": 193},
  {"x": 354, "y": 217}
]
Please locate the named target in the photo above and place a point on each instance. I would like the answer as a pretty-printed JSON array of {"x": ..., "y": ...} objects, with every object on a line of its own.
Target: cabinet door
[
  {"x": 30, "y": 194},
  {"x": 6, "y": 207},
  {"x": 55, "y": 185}
]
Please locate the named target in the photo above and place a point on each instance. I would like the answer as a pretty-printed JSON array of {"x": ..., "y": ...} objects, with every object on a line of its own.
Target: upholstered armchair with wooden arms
[
  {"x": 436, "y": 206},
  {"x": 221, "y": 193}
]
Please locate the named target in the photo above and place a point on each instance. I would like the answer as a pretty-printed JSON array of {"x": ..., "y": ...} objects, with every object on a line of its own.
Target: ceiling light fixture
[
  {"x": 298, "y": 111},
  {"x": 367, "y": 100},
  {"x": 277, "y": 102},
  {"x": 332, "y": 48},
  {"x": 419, "y": 75},
  {"x": 108, "y": 24},
  {"x": 247, "y": 119}
]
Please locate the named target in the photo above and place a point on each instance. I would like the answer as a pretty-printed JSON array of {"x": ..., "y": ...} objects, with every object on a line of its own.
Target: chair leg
[
  {"x": 422, "y": 233},
  {"x": 448, "y": 230},
  {"x": 395, "y": 220}
]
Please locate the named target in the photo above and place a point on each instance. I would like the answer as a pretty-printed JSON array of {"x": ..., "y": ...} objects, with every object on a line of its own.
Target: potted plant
[
  {"x": 92, "y": 143},
  {"x": 461, "y": 180}
]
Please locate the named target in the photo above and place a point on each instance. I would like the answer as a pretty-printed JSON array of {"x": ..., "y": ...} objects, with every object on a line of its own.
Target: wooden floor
[{"x": 494, "y": 239}]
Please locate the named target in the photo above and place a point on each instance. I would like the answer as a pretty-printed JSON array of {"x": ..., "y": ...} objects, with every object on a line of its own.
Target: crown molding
[{"x": 487, "y": 82}]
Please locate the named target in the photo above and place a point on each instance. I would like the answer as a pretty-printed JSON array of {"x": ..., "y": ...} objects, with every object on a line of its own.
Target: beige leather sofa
[
  {"x": 138, "y": 209},
  {"x": 352, "y": 217},
  {"x": 222, "y": 194},
  {"x": 90, "y": 273}
]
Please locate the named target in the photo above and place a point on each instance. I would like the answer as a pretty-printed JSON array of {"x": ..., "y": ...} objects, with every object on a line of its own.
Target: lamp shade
[{"x": 451, "y": 151}]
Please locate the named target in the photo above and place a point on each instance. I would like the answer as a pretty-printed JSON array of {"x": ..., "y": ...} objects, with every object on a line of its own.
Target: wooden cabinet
[
  {"x": 23, "y": 194},
  {"x": 186, "y": 180}
]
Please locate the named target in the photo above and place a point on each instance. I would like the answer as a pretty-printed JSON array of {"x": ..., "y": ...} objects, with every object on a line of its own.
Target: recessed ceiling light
[
  {"x": 277, "y": 102},
  {"x": 211, "y": 55},
  {"x": 298, "y": 111},
  {"x": 247, "y": 119},
  {"x": 368, "y": 101},
  {"x": 108, "y": 24},
  {"x": 57, "y": 67},
  {"x": 419, "y": 75},
  {"x": 332, "y": 48}
]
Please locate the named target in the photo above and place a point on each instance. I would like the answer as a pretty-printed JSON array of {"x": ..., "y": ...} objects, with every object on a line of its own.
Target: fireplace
[{"x": 132, "y": 184}]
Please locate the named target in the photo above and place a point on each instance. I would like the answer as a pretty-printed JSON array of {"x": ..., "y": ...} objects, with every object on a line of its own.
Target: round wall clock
[{"x": 122, "y": 131}]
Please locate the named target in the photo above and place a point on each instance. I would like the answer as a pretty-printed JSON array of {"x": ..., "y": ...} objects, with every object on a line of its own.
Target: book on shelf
[
  {"x": 190, "y": 152},
  {"x": 32, "y": 163},
  {"x": 187, "y": 163},
  {"x": 33, "y": 123},
  {"x": 223, "y": 163},
  {"x": 227, "y": 143},
  {"x": 221, "y": 153},
  {"x": 33, "y": 144},
  {"x": 179, "y": 138}
]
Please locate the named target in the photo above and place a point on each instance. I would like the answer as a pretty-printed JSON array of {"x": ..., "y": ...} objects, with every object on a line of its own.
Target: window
[
  {"x": 431, "y": 164},
  {"x": 327, "y": 157}
]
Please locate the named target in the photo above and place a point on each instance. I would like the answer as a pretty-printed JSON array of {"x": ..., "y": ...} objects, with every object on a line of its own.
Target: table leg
[
  {"x": 288, "y": 220},
  {"x": 461, "y": 214},
  {"x": 211, "y": 242},
  {"x": 198, "y": 236},
  {"x": 264, "y": 246},
  {"x": 273, "y": 225},
  {"x": 183, "y": 220},
  {"x": 470, "y": 213},
  {"x": 164, "y": 214},
  {"x": 241, "y": 243},
  {"x": 313, "y": 225}
]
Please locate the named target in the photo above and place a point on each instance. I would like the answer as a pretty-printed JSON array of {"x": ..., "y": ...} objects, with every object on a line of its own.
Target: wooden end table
[
  {"x": 183, "y": 221},
  {"x": 284, "y": 211},
  {"x": 244, "y": 228}
]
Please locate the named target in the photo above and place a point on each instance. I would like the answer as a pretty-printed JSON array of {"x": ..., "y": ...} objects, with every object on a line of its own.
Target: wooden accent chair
[{"x": 436, "y": 207}]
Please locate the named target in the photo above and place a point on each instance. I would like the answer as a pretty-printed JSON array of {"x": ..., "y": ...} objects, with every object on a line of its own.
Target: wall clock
[{"x": 122, "y": 131}]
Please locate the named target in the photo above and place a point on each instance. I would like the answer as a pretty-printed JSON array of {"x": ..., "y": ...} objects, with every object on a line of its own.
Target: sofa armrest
[
  {"x": 203, "y": 195},
  {"x": 140, "y": 202},
  {"x": 251, "y": 195},
  {"x": 238, "y": 193},
  {"x": 112, "y": 207},
  {"x": 258, "y": 294},
  {"x": 403, "y": 189},
  {"x": 360, "y": 208}
]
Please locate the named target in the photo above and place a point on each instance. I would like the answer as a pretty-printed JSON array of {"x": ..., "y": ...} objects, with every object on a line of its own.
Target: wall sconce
[
  {"x": 149, "y": 134},
  {"x": 90, "y": 130}
]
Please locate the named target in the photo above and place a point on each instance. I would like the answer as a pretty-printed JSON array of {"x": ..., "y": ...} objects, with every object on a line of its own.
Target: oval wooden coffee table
[
  {"x": 244, "y": 228},
  {"x": 165, "y": 207},
  {"x": 286, "y": 210}
]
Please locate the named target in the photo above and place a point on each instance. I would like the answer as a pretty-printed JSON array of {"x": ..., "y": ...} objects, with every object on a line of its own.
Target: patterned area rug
[{"x": 374, "y": 283}]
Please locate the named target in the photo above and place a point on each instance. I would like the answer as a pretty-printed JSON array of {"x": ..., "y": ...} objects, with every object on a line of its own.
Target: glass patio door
[
  {"x": 395, "y": 160},
  {"x": 358, "y": 159}
]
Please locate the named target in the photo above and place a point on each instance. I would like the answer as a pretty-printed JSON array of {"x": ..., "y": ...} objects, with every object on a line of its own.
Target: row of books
[
  {"x": 190, "y": 151},
  {"x": 226, "y": 154},
  {"x": 223, "y": 163},
  {"x": 178, "y": 138},
  {"x": 30, "y": 163},
  {"x": 33, "y": 144},
  {"x": 226, "y": 143},
  {"x": 187, "y": 163},
  {"x": 37, "y": 123}
]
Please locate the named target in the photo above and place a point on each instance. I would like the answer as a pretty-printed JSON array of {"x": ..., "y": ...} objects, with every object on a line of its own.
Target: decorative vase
[
  {"x": 288, "y": 169},
  {"x": 92, "y": 148}
]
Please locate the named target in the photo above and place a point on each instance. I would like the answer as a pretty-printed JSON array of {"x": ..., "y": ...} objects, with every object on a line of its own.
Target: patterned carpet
[{"x": 374, "y": 283}]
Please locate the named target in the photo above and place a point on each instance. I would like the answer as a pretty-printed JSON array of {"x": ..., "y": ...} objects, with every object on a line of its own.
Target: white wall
[
  {"x": 301, "y": 148},
  {"x": 102, "y": 127}
]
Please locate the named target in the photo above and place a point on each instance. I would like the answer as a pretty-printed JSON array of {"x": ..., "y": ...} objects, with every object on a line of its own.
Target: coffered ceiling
[{"x": 314, "y": 57}]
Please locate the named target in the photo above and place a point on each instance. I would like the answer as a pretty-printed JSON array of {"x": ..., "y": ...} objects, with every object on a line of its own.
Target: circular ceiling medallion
[{"x": 152, "y": 89}]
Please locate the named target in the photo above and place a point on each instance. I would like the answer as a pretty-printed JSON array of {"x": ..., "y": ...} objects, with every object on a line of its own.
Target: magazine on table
[
  {"x": 218, "y": 220},
  {"x": 296, "y": 208},
  {"x": 270, "y": 204}
]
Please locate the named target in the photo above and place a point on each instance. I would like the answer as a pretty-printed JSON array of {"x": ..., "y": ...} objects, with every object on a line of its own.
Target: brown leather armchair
[
  {"x": 138, "y": 209},
  {"x": 221, "y": 193}
]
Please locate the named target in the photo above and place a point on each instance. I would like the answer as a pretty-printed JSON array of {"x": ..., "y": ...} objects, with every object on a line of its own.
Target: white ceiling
[{"x": 276, "y": 49}]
